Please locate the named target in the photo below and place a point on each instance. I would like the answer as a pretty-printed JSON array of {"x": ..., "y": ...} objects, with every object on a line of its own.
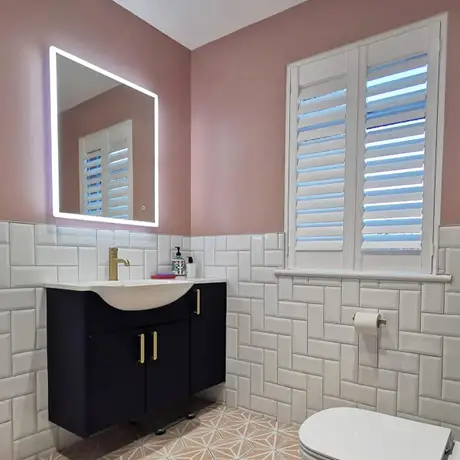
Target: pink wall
[
  {"x": 238, "y": 107},
  {"x": 237, "y": 91},
  {"x": 101, "y": 32},
  {"x": 107, "y": 109}
]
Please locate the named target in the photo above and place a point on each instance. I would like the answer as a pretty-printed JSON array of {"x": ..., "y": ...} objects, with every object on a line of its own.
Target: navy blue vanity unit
[{"x": 109, "y": 366}]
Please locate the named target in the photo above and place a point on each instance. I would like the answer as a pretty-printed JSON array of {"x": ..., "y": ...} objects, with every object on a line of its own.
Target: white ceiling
[
  {"x": 194, "y": 23},
  {"x": 77, "y": 83}
]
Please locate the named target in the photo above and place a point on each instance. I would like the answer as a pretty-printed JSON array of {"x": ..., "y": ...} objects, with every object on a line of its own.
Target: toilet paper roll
[{"x": 366, "y": 323}]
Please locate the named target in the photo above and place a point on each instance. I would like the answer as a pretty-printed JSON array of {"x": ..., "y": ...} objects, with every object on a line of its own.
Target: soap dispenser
[{"x": 178, "y": 263}]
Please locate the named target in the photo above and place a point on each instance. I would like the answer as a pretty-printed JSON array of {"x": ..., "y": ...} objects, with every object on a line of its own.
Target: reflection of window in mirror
[{"x": 106, "y": 172}]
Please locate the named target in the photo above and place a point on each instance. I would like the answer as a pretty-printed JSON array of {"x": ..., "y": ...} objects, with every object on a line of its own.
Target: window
[
  {"x": 362, "y": 157},
  {"x": 106, "y": 173}
]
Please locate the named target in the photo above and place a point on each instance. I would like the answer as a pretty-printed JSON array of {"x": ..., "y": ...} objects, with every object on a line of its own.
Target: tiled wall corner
[
  {"x": 291, "y": 343},
  {"x": 31, "y": 255}
]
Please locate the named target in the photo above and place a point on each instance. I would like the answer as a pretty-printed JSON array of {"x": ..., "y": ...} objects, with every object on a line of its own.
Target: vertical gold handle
[
  {"x": 155, "y": 346},
  {"x": 142, "y": 357},
  {"x": 198, "y": 302}
]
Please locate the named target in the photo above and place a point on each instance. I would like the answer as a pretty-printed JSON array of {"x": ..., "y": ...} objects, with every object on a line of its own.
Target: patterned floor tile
[
  {"x": 289, "y": 451},
  {"x": 212, "y": 410},
  {"x": 163, "y": 449},
  {"x": 211, "y": 419},
  {"x": 52, "y": 456},
  {"x": 217, "y": 433},
  {"x": 194, "y": 453},
  {"x": 201, "y": 436},
  {"x": 267, "y": 439},
  {"x": 260, "y": 454},
  {"x": 133, "y": 451},
  {"x": 229, "y": 449}
]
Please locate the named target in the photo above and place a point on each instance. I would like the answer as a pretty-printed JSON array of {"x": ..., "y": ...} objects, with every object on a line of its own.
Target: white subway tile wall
[
  {"x": 312, "y": 358},
  {"x": 291, "y": 347},
  {"x": 31, "y": 255}
]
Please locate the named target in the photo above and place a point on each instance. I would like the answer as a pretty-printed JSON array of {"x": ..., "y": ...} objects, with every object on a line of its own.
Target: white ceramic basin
[{"x": 132, "y": 295}]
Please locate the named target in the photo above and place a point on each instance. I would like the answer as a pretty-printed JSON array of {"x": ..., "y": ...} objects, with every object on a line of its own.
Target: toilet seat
[
  {"x": 356, "y": 434},
  {"x": 308, "y": 455}
]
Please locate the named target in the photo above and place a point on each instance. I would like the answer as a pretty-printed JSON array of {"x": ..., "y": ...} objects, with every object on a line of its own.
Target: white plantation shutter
[
  {"x": 321, "y": 128},
  {"x": 361, "y": 165},
  {"x": 106, "y": 172},
  {"x": 394, "y": 154},
  {"x": 320, "y": 98},
  {"x": 400, "y": 120},
  {"x": 119, "y": 171}
]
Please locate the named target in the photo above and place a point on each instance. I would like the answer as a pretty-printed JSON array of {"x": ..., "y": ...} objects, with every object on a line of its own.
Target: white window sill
[{"x": 368, "y": 275}]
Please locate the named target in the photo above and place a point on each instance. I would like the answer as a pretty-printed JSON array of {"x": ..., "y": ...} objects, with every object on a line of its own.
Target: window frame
[{"x": 433, "y": 195}]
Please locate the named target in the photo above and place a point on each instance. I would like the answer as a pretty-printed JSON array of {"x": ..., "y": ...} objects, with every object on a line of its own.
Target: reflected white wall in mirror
[{"x": 104, "y": 134}]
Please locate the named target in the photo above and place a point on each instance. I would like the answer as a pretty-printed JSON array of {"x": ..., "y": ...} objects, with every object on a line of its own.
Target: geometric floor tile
[{"x": 217, "y": 433}]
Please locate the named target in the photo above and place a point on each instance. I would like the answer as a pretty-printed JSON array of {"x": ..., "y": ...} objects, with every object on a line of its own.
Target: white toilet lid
[{"x": 356, "y": 434}]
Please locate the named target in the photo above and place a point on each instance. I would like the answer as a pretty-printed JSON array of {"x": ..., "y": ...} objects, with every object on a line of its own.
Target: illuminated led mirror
[{"x": 104, "y": 133}]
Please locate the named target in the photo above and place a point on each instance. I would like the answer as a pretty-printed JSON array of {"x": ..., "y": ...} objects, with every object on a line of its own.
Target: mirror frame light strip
[{"x": 53, "y": 53}]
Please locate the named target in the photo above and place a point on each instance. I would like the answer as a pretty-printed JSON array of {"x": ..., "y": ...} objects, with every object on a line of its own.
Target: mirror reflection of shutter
[
  {"x": 399, "y": 126},
  {"x": 323, "y": 127},
  {"x": 119, "y": 173},
  {"x": 92, "y": 153}
]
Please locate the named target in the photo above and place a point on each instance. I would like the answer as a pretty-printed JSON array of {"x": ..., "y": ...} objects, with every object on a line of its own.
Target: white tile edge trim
[{"x": 367, "y": 275}]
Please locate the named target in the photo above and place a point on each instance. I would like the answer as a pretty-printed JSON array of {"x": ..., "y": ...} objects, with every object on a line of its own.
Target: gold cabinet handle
[
  {"x": 198, "y": 302},
  {"x": 142, "y": 357},
  {"x": 155, "y": 346}
]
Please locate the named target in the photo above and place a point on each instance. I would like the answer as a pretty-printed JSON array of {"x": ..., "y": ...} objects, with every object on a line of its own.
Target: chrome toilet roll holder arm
[{"x": 381, "y": 322}]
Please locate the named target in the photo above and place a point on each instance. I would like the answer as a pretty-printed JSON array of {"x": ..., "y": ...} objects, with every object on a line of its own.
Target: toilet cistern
[{"x": 114, "y": 260}]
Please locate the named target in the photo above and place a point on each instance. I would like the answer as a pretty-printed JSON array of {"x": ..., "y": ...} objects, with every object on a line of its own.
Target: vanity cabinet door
[
  {"x": 208, "y": 332},
  {"x": 168, "y": 368},
  {"x": 116, "y": 373}
]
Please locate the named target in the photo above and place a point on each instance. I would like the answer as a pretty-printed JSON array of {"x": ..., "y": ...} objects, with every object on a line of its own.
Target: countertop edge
[{"x": 88, "y": 287}]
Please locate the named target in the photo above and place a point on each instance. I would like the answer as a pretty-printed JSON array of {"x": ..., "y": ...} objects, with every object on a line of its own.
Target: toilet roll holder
[{"x": 380, "y": 321}]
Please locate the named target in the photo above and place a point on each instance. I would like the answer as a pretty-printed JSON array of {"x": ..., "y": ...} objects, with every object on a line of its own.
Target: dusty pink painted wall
[
  {"x": 238, "y": 107},
  {"x": 107, "y": 109},
  {"x": 101, "y": 32}
]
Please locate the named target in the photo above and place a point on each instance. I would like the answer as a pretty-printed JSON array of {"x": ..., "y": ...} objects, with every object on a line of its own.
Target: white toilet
[{"x": 356, "y": 434}]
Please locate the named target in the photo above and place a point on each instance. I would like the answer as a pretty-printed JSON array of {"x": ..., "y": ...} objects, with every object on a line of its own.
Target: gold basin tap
[{"x": 114, "y": 260}]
